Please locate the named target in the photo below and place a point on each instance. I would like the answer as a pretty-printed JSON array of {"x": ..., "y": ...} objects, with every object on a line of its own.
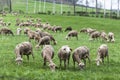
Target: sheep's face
[
  {"x": 66, "y": 49},
  {"x": 52, "y": 66},
  {"x": 81, "y": 65},
  {"x": 112, "y": 40},
  {"x": 19, "y": 60},
  {"x": 98, "y": 61}
]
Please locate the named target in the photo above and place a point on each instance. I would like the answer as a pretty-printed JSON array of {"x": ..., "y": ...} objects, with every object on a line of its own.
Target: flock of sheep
[{"x": 46, "y": 40}]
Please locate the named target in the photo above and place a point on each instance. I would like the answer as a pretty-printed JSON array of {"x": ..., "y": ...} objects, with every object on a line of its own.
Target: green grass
[{"x": 34, "y": 70}]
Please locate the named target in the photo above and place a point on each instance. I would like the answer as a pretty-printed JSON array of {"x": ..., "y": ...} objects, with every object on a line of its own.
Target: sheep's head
[
  {"x": 66, "y": 49},
  {"x": 52, "y": 66},
  {"x": 113, "y": 40},
  {"x": 19, "y": 60},
  {"x": 98, "y": 61},
  {"x": 81, "y": 65}
]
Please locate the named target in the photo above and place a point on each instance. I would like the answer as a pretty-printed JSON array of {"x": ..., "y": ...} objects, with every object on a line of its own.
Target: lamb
[
  {"x": 84, "y": 30},
  {"x": 48, "y": 54},
  {"x": 72, "y": 33},
  {"x": 111, "y": 37},
  {"x": 6, "y": 31},
  {"x": 44, "y": 41},
  {"x": 58, "y": 28},
  {"x": 19, "y": 31},
  {"x": 69, "y": 28},
  {"x": 90, "y": 30},
  {"x": 24, "y": 48},
  {"x": 42, "y": 34},
  {"x": 81, "y": 53},
  {"x": 32, "y": 35},
  {"x": 64, "y": 54},
  {"x": 103, "y": 35},
  {"x": 94, "y": 35},
  {"x": 101, "y": 54}
]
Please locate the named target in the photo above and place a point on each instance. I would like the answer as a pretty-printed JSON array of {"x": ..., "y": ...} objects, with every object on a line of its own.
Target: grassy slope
[{"x": 34, "y": 69}]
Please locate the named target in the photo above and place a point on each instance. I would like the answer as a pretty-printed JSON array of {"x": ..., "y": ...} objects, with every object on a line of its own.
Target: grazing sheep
[
  {"x": 72, "y": 33},
  {"x": 19, "y": 31},
  {"x": 64, "y": 54},
  {"x": 32, "y": 34},
  {"x": 48, "y": 54},
  {"x": 84, "y": 30},
  {"x": 90, "y": 30},
  {"x": 103, "y": 35},
  {"x": 81, "y": 53},
  {"x": 101, "y": 54},
  {"x": 58, "y": 28},
  {"x": 44, "y": 41},
  {"x": 68, "y": 29},
  {"x": 94, "y": 35},
  {"x": 24, "y": 48},
  {"x": 111, "y": 37},
  {"x": 42, "y": 34},
  {"x": 6, "y": 31}
]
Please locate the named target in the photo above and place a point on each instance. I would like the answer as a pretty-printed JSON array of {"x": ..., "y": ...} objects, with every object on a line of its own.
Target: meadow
[{"x": 34, "y": 70}]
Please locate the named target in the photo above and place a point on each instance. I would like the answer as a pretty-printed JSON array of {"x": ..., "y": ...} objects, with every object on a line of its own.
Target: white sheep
[
  {"x": 101, "y": 54},
  {"x": 103, "y": 35},
  {"x": 79, "y": 54},
  {"x": 48, "y": 54},
  {"x": 64, "y": 54},
  {"x": 24, "y": 48},
  {"x": 72, "y": 33},
  {"x": 111, "y": 37}
]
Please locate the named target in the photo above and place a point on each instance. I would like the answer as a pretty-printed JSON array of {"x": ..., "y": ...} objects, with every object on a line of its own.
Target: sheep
[
  {"x": 90, "y": 30},
  {"x": 81, "y": 53},
  {"x": 64, "y": 54},
  {"x": 102, "y": 53},
  {"x": 42, "y": 34},
  {"x": 103, "y": 35},
  {"x": 72, "y": 33},
  {"x": 6, "y": 31},
  {"x": 43, "y": 41},
  {"x": 84, "y": 30},
  {"x": 111, "y": 37},
  {"x": 32, "y": 34},
  {"x": 24, "y": 48},
  {"x": 58, "y": 28},
  {"x": 48, "y": 54},
  {"x": 94, "y": 35},
  {"x": 19, "y": 31},
  {"x": 69, "y": 28}
]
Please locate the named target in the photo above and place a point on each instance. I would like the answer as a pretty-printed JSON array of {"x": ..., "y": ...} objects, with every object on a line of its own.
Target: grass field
[{"x": 34, "y": 70}]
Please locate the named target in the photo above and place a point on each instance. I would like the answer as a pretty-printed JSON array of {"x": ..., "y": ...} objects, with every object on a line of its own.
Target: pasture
[{"x": 34, "y": 70}]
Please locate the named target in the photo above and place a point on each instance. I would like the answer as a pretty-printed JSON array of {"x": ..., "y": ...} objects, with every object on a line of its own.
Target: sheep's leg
[
  {"x": 65, "y": 63},
  {"x": 84, "y": 62},
  {"x": 103, "y": 60},
  {"x": 44, "y": 61},
  {"x": 77, "y": 37},
  {"x": 74, "y": 64},
  {"x": 89, "y": 60},
  {"x": 33, "y": 56},
  {"x": 28, "y": 57},
  {"x": 60, "y": 62},
  {"x": 68, "y": 62}
]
